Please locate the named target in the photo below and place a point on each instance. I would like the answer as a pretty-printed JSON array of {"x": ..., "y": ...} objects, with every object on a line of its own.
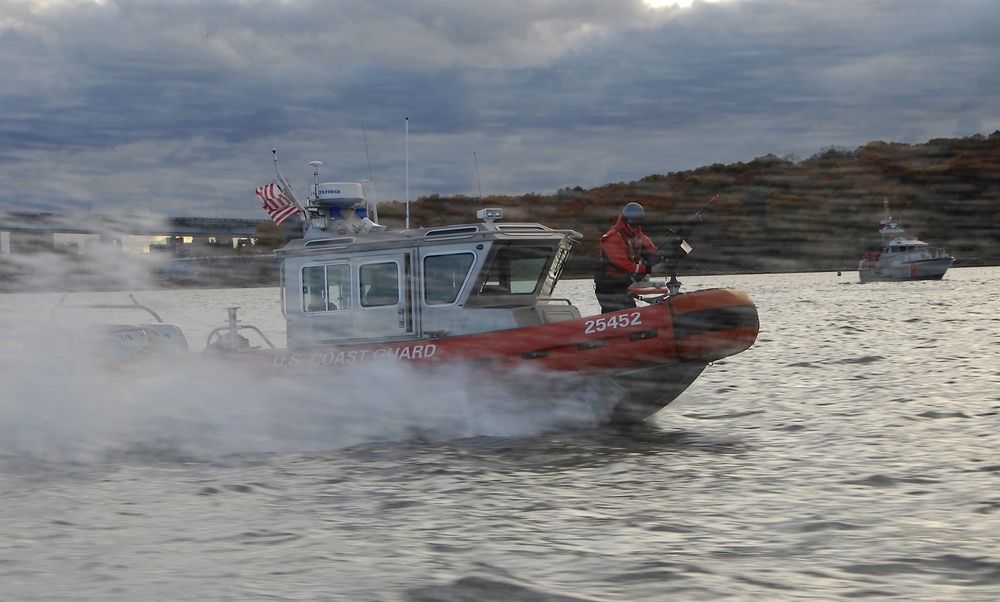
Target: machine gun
[{"x": 674, "y": 247}]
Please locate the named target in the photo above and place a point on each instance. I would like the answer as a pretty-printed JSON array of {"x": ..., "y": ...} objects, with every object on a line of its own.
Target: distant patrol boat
[{"x": 902, "y": 257}]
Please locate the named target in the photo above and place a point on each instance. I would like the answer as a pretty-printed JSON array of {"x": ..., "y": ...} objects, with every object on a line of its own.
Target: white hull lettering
[
  {"x": 286, "y": 360},
  {"x": 606, "y": 323},
  {"x": 341, "y": 358}
]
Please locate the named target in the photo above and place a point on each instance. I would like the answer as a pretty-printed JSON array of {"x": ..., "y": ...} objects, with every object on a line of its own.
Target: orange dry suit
[{"x": 624, "y": 254}]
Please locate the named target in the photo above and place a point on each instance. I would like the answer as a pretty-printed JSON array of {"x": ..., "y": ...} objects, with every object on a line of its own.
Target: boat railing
[
  {"x": 452, "y": 232},
  {"x": 869, "y": 263},
  {"x": 127, "y": 342},
  {"x": 331, "y": 242},
  {"x": 921, "y": 253},
  {"x": 134, "y": 305}
]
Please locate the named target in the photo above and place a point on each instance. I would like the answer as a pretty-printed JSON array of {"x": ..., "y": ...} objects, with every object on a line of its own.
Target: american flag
[{"x": 277, "y": 205}]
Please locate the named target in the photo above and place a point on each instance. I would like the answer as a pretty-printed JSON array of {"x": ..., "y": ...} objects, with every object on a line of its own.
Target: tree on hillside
[{"x": 268, "y": 236}]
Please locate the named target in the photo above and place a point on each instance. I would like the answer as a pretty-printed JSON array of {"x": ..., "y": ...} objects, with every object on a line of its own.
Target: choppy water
[{"x": 853, "y": 453}]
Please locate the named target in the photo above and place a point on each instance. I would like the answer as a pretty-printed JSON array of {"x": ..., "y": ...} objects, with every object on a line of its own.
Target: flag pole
[{"x": 283, "y": 183}]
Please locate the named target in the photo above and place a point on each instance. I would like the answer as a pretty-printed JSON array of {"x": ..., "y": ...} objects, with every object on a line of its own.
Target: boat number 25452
[{"x": 618, "y": 321}]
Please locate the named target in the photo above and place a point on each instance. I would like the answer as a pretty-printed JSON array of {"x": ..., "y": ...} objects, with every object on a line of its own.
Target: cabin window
[
  {"x": 444, "y": 276},
  {"x": 516, "y": 270},
  {"x": 379, "y": 284},
  {"x": 326, "y": 287}
]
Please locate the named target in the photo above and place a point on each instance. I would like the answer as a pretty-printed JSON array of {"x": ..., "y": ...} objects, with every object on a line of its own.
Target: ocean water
[{"x": 852, "y": 453}]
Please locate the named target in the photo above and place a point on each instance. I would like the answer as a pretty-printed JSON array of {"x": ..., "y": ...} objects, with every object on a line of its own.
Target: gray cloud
[{"x": 173, "y": 107}]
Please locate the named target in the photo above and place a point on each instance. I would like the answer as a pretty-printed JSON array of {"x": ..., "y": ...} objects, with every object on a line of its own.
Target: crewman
[{"x": 625, "y": 251}]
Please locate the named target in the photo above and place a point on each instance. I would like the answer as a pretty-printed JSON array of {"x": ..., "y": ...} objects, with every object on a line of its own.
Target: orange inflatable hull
[{"x": 654, "y": 352}]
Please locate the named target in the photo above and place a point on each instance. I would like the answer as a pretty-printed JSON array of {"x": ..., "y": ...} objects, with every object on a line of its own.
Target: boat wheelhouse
[{"x": 422, "y": 283}]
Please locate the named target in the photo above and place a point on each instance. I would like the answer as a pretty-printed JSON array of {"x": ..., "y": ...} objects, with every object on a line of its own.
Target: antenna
[
  {"x": 477, "y": 175},
  {"x": 373, "y": 209},
  {"x": 406, "y": 139},
  {"x": 367, "y": 156},
  {"x": 315, "y": 165}
]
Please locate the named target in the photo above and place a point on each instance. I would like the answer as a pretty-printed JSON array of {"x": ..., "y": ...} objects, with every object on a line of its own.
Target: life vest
[{"x": 636, "y": 247}]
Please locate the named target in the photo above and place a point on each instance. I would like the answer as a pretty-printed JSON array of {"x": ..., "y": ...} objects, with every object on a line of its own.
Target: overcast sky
[{"x": 173, "y": 107}]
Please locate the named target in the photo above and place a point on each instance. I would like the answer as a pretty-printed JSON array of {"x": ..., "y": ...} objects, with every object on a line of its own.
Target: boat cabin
[
  {"x": 348, "y": 280},
  {"x": 906, "y": 245}
]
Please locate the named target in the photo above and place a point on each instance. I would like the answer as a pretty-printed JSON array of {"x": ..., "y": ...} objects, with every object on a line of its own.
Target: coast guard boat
[
  {"x": 902, "y": 257},
  {"x": 478, "y": 294}
]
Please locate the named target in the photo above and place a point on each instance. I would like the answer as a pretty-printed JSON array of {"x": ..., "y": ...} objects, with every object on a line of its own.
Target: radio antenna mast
[
  {"x": 373, "y": 205},
  {"x": 478, "y": 183},
  {"x": 406, "y": 137}
]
